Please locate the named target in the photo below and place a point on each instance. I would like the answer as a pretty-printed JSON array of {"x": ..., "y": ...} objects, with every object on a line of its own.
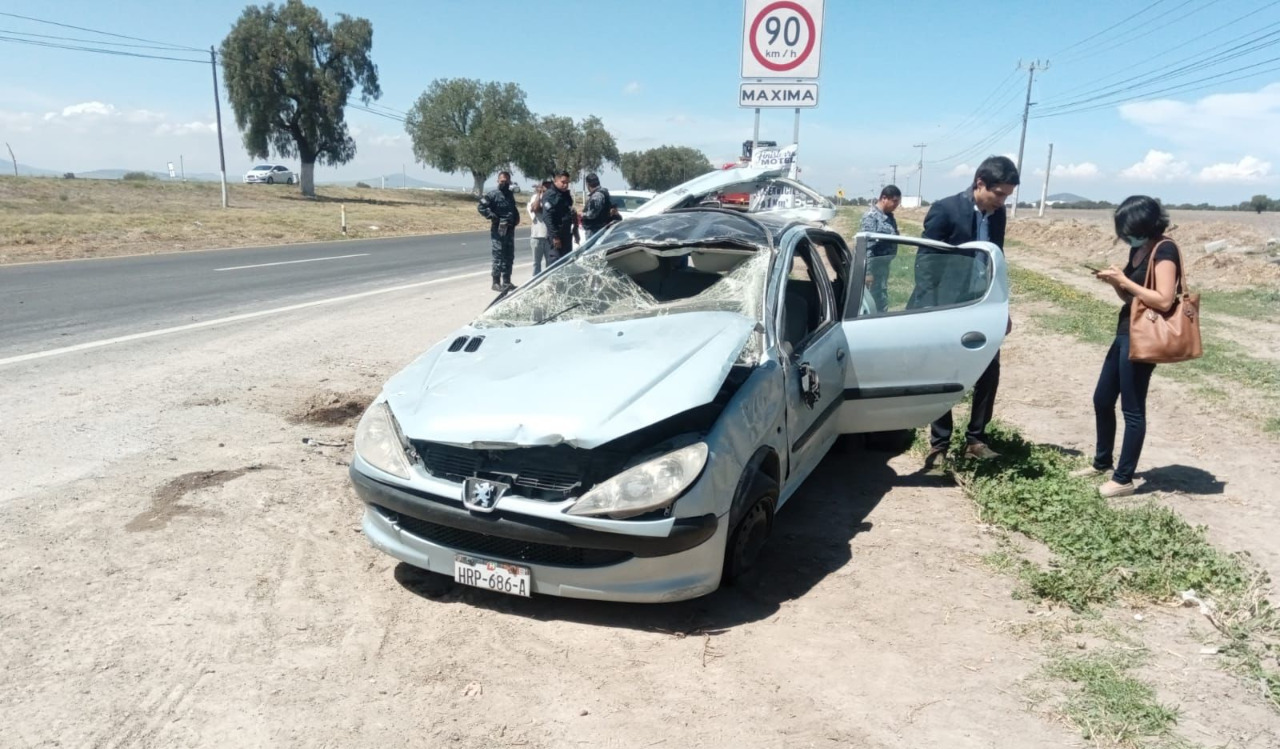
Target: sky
[{"x": 666, "y": 72}]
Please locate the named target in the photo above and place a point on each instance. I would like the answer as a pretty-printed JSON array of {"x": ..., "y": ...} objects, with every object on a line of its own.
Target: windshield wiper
[{"x": 573, "y": 306}]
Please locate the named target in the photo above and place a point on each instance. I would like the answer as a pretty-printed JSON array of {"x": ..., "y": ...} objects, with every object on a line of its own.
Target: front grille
[
  {"x": 507, "y": 548},
  {"x": 549, "y": 473}
]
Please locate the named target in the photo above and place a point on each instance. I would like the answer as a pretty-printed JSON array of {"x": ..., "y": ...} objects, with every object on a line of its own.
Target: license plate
[{"x": 500, "y": 576}]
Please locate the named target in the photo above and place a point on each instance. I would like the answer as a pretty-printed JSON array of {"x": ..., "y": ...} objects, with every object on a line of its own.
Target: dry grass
[{"x": 49, "y": 219}]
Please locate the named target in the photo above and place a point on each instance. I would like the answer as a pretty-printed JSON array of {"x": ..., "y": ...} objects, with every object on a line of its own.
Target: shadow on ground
[
  {"x": 1184, "y": 479},
  {"x": 811, "y": 539}
]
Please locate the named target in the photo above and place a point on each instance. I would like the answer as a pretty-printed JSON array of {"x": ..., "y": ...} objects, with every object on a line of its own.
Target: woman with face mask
[{"x": 1140, "y": 221}]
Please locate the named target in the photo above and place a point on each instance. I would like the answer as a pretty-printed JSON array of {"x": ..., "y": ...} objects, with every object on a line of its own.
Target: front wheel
[
  {"x": 290, "y": 181},
  {"x": 752, "y": 530},
  {"x": 271, "y": 180}
]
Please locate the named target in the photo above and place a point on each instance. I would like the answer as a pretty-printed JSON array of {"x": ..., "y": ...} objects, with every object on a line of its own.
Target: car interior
[
  {"x": 804, "y": 311},
  {"x": 669, "y": 279}
]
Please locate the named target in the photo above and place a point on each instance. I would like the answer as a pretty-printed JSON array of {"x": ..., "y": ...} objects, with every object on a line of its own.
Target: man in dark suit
[{"x": 942, "y": 278}]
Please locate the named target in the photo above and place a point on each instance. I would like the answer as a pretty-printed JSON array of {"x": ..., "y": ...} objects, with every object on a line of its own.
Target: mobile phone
[{"x": 1090, "y": 267}]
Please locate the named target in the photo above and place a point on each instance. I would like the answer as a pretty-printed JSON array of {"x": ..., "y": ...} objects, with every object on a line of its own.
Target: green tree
[
  {"x": 462, "y": 124},
  {"x": 560, "y": 144},
  {"x": 664, "y": 167},
  {"x": 1260, "y": 203},
  {"x": 289, "y": 74}
]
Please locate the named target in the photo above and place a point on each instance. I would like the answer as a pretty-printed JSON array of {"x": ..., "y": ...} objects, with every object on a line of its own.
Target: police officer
[
  {"x": 599, "y": 210},
  {"x": 557, "y": 201},
  {"x": 503, "y": 212}
]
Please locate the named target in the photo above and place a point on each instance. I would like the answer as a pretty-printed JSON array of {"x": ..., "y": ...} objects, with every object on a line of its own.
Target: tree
[
  {"x": 1260, "y": 203},
  {"x": 461, "y": 124},
  {"x": 560, "y": 144},
  {"x": 289, "y": 75},
  {"x": 664, "y": 167}
]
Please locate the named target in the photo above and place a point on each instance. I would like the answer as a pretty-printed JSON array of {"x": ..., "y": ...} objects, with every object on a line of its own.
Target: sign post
[{"x": 781, "y": 57}]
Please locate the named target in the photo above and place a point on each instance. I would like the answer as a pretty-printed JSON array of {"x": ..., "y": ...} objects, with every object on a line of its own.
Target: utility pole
[
  {"x": 217, "y": 110},
  {"x": 1048, "y": 169},
  {"x": 920, "y": 183},
  {"x": 1026, "y": 111},
  {"x": 182, "y": 166},
  {"x": 12, "y": 159},
  {"x": 894, "y": 167}
]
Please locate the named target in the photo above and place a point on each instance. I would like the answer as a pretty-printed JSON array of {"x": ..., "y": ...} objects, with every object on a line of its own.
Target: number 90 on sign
[{"x": 782, "y": 38}]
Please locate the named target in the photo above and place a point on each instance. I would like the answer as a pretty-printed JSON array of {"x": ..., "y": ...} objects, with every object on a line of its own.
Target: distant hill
[
  {"x": 1065, "y": 197},
  {"x": 6, "y": 169},
  {"x": 396, "y": 180}
]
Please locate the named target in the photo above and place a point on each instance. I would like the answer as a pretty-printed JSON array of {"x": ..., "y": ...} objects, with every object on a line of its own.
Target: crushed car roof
[{"x": 696, "y": 226}]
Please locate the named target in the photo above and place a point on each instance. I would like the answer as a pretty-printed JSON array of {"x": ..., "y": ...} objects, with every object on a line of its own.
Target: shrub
[
  {"x": 362, "y": 184},
  {"x": 136, "y": 176},
  {"x": 69, "y": 175}
]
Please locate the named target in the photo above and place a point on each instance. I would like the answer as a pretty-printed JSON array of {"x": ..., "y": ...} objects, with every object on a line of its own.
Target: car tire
[
  {"x": 290, "y": 182},
  {"x": 751, "y": 530},
  {"x": 895, "y": 442},
  {"x": 271, "y": 180}
]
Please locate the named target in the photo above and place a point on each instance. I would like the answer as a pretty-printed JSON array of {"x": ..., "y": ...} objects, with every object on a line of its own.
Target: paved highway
[{"x": 46, "y": 306}]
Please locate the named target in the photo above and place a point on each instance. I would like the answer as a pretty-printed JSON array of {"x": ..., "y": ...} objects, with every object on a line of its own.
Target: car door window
[
  {"x": 806, "y": 299},
  {"x": 901, "y": 278}
]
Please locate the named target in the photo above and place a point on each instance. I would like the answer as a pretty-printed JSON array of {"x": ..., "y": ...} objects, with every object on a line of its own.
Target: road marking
[
  {"x": 238, "y": 318},
  {"x": 291, "y": 262}
]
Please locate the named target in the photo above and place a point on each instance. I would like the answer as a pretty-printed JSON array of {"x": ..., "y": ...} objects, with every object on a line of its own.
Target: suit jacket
[{"x": 954, "y": 220}]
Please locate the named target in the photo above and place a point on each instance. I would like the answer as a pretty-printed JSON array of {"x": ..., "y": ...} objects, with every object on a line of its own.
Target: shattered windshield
[{"x": 659, "y": 265}]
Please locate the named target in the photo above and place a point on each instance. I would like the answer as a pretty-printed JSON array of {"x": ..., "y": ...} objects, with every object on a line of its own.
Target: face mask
[
  {"x": 1135, "y": 242},
  {"x": 504, "y": 186}
]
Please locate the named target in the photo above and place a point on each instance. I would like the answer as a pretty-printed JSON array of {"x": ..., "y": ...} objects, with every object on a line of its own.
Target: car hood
[{"x": 575, "y": 382}]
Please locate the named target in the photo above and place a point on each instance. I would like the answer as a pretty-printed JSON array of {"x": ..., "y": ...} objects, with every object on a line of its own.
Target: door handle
[
  {"x": 840, "y": 355},
  {"x": 973, "y": 340}
]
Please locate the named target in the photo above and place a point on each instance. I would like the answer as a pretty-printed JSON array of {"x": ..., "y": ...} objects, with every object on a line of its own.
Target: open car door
[
  {"x": 748, "y": 189},
  {"x": 923, "y": 320}
]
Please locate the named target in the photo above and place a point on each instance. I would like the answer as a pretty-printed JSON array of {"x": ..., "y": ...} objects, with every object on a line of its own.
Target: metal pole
[
  {"x": 1048, "y": 169},
  {"x": 920, "y": 183},
  {"x": 1026, "y": 110},
  {"x": 894, "y": 167},
  {"x": 755, "y": 134},
  {"x": 795, "y": 133},
  {"x": 182, "y": 166},
  {"x": 14, "y": 159},
  {"x": 217, "y": 110}
]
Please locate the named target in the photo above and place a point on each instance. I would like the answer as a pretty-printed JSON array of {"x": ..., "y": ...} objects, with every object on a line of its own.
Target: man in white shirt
[{"x": 539, "y": 241}]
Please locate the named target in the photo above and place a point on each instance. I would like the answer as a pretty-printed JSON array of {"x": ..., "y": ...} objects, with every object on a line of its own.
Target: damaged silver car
[{"x": 627, "y": 425}]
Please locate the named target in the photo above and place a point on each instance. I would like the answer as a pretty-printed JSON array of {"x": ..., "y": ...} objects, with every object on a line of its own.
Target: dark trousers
[
  {"x": 1128, "y": 381},
  {"x": 984, "y": 403},
  {"x": 504, "y": 253},
  {"x": 878, "y": 268}
]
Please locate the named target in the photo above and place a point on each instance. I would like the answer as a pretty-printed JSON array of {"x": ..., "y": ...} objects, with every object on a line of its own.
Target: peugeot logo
[{"x": 481, "y": 495}]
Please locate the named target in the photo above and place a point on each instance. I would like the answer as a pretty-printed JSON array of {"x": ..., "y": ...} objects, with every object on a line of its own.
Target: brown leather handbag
[{"x": 1166, "y": 337}]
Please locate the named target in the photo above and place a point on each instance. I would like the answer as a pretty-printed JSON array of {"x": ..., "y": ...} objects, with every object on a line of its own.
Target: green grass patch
[
  {"x": 1272, "y": 425},
  {"x": 1109, "y": 704},
  {"x": 1255, "y": 303}
]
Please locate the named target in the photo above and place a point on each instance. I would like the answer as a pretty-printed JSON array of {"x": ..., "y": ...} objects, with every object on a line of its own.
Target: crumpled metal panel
[{"x": 578, "y": 383}]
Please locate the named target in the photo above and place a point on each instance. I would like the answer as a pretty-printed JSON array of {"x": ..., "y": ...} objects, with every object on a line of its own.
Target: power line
[
  {"x": 94, "y": 41},
  {"x": 1117, "y": 89},
  {"x": 116, "y": 52},
  {"x": 1180, "y": 88},
  {"x": 1146, "y": 31},
  {"x": 1115, "y": 25},
  {"x": 987, "y": 141},
  {"x": 103, "y": 33},
  {"x": 981, "y": 108},
  {"x": 1173, "y": 49},
  {"x": 370, "y": 110}
]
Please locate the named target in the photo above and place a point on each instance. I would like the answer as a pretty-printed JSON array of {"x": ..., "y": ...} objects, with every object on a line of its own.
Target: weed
[
  {"x": 1255, "y": 303},
  {"x": 1272, "y": 425},
  {"x": 1109, "y": 704}
]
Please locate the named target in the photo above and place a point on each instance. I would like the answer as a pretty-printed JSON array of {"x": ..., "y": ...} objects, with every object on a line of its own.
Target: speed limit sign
[{"x": 782, "y": 38}]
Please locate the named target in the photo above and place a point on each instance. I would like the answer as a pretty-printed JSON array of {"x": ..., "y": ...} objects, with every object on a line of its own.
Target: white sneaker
[
  {"x": 1087, "y": 472},
  {"x": 1111, "y": 489}
]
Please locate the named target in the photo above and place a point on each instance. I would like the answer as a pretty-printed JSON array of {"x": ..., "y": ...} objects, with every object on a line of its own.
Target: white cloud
[
  {"x": 631, "y": 88},
  {"x": 1157, "y": 166},
  {"x": 1237, "y": 121},
  {"x": 87, "y": 109},
  {"x": 1084, "y": 170},
  {"x": 186, "y": 128},
  {"x": 1248, "y": 169},
  {"x": 962, "y": 170}
]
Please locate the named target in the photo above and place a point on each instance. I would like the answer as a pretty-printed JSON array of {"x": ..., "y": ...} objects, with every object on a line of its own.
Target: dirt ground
[
  {"x": 182, "y": 566},
  {"x": 56, "y": 219}
]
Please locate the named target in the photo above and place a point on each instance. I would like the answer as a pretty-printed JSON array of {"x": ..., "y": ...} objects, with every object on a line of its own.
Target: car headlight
[
  {"x": 648, "y": 486},
  {"x": 380, "y": 443}
]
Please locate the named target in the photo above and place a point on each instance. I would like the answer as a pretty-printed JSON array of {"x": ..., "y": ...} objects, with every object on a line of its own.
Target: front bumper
[{"x": 568, "y": 560}]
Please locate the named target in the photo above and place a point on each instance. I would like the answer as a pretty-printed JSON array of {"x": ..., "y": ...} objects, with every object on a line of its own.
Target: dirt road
[{"x": 182, "y": 566}]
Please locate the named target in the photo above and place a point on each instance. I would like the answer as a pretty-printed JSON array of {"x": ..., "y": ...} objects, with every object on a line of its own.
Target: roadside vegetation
[{"x": 49, "y": 219}]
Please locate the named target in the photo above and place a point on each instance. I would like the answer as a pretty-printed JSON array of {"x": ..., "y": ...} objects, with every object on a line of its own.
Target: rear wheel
[
  {"x": 751, "y": 531},
  {"x": 896, "y": 442}
]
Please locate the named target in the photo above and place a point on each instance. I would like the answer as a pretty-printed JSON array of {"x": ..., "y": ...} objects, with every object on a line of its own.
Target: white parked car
[
  {"x": 270, "y": 174},
  {"x": 628, "y": 200},
  {"x": 626, "y": 425}
]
